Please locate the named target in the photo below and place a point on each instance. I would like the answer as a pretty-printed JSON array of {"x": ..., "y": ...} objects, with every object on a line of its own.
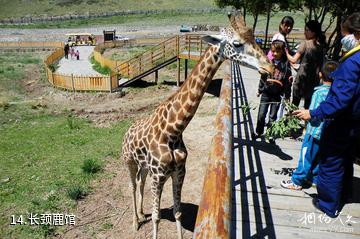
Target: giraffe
[{"x": 154, "y": 144}]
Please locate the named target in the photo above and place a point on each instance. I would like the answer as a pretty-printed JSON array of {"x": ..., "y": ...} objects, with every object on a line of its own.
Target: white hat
[{"x": 278, "y": 37}]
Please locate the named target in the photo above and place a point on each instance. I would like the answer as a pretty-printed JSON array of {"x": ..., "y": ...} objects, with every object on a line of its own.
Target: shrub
[
  {"x": 72, "y": 122},
  {"x": 76, "y": 192},
  {"x": 91, "y": 166},
  {"x": 52, "y": 67},
  {"x": 4, "y": 105}
]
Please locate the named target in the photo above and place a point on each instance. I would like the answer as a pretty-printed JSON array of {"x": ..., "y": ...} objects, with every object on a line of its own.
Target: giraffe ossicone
[{"x": 154, "y": 144}]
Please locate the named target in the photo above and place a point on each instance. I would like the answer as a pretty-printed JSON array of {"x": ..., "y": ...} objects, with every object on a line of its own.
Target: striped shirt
[{"x": 315, "y": 126}]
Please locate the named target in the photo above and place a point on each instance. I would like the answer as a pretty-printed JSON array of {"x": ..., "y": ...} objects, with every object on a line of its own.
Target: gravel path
[{"x": 78, "y": 67}]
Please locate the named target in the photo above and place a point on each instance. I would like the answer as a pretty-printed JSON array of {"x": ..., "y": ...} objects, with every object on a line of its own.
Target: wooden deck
[{"x": 261, "y": 208}]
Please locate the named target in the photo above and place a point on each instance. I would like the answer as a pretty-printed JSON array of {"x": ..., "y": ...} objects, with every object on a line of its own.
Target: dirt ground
[{"x": 107, "y": 211}]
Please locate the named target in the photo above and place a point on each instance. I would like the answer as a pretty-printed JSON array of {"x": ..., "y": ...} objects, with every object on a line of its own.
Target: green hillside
[{"x": 20, "y": 8}]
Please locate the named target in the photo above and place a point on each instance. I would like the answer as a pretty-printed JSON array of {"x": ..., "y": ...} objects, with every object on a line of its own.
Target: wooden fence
[
  {"x": 76, "y": 82},
  {"x": 81, "y": 83}
]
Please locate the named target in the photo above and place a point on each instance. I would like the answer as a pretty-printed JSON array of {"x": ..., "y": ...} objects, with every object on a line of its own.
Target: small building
[{"x": 109, "y": 35}]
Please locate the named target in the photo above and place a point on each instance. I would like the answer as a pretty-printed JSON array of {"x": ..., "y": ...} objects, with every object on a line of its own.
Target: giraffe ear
[
  {"x": 236, "y": 20},
  {"x": 213, "y": 40}
]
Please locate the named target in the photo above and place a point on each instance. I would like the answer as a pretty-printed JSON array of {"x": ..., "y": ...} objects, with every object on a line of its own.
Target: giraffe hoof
[
  {"x": 142, "y": 218},
  {"x": 136, "y": 225}
]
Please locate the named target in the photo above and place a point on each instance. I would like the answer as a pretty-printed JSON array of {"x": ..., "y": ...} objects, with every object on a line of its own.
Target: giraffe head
[{"x": 237, "y": 43}]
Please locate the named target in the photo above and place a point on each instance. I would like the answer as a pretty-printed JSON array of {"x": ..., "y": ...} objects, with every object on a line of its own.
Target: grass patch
[
  {"x": 138, "y": 21},
  {"x": 97, "y": 67},
  {"x": 42, "y": 155},
  {"x": 12, "y": 73},
  {"x": 129, "y": 52},
  {"x": 42, "y": 158},
  {"x": 191, "y": 65},
  {"x": 72, "y": 122},
  {"x": 16, "y": 8}
]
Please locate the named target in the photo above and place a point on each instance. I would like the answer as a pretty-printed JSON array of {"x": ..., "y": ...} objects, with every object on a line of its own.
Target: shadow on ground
[
  {"x": 188, "y": 219},
  {"x": 189, "y": 212}
]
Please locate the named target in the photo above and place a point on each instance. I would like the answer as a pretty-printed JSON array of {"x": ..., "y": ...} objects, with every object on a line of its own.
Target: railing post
[
  {"x": 189, "y": 39},
  {"x": 72, "y": 82},
  {"x": 128, "y": 69},
  {"x": 52, "y": 78},
  {"x": 178, "y": 72},
  {"x": 186, "y": 68},
  {"x": 164, "y": 51},
  {"x": 177, "y": 46},
  {"x": 156, "y": 77},
  {"x": 110, "y": 82}
]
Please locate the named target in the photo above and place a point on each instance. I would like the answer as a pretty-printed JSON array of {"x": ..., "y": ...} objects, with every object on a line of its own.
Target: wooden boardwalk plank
[
  {"x": 281, "y": 231},
  {"x": 261, "y": 207}
]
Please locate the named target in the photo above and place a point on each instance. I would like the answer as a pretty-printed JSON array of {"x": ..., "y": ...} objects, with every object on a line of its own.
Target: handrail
[{"x": 214, "y": 214}]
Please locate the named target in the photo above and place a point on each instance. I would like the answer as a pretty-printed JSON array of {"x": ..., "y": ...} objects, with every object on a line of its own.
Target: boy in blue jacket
[{"x": 307, "y": 169}]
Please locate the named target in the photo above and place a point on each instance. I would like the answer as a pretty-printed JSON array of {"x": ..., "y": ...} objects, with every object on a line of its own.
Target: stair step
[{"x": 123, "y": 80}]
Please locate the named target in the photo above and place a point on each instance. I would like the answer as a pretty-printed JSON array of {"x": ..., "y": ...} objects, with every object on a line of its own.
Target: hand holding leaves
[{"x": 302, "y": 114}]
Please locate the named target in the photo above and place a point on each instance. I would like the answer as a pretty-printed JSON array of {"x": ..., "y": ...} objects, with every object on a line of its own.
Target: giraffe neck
[{"x": 182, "y": 106}]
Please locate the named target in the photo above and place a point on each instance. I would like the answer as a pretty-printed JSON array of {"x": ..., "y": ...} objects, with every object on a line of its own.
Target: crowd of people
[{"x": 331, "y": 94}]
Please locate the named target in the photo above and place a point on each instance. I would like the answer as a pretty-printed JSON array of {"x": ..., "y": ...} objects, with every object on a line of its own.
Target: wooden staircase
[{"x": 190, "y": 46}]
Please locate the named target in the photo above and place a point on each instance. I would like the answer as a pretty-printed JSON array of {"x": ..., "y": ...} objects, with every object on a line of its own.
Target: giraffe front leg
[
  {"x": 141, "y": 178},
  {"x": 156, "y": 189},
  {"x": 177, "y": 182}
]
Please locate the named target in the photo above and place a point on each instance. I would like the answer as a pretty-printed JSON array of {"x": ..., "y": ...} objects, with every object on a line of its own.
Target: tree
[
  {"x": 256, "y": 8},
  {"x": 318, "y": 10},
  {"x": 338, "y": 10},
  {"x": 237, "y": 4}
]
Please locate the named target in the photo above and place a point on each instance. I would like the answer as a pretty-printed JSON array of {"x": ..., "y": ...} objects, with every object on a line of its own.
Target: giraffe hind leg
[
  {"x": 156, "y": 189},
  {"x": 141, "y": 178},
  {"x": 132, "y": 172},
  {"x": 177, "y": 182}
]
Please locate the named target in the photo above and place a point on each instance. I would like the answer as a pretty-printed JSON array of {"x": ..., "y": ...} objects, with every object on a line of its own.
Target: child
[
  {"x": 77, "y": 55},
  {"x": 285, "y": 27},
  {"x": 306, "y": 172},
  {"x": 272, "y": 89},
  {"x": 348, "y": 41},
  {"x": 72, "y": 52}
]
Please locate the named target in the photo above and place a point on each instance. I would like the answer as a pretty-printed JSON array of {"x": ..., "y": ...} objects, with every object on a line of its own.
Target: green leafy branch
[
  {"x": 282, "y": 128},
  {"x": 247, "y": 107},
  {"x": 286, "y": 125}
]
